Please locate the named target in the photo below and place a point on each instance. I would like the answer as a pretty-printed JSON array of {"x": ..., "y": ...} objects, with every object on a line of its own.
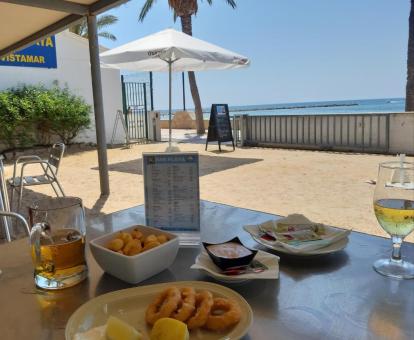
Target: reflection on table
[{"x": 333, "y": 296}]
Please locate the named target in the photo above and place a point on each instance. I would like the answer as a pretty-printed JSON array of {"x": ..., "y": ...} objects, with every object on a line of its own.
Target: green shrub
[
  {"x": 15, "y": 129},
  {"x": 69, "y": 115},
  {"x": 34, "y": 115}
]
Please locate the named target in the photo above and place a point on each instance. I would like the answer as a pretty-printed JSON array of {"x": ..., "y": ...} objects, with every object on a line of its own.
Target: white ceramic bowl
[{"x": 136, "y": 268}]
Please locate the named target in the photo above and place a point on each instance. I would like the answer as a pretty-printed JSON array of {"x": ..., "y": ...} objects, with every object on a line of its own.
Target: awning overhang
[{"x": 24, "y": 22}]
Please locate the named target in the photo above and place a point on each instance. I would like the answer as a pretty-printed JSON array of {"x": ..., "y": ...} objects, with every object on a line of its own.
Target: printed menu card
[{"x": 172, "y": 196}]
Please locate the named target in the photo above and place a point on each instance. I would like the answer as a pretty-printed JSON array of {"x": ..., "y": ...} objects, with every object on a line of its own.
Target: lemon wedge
[
  {"x": 120, "y": 330},
  {"x": 169, "y": 329}
]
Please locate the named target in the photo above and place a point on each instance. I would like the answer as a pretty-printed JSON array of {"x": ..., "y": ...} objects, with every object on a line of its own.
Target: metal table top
[{"x": 336, "y": 296}]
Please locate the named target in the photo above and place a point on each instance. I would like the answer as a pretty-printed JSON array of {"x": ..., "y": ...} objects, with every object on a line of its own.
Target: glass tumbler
[{"x": 57, "y": 242}]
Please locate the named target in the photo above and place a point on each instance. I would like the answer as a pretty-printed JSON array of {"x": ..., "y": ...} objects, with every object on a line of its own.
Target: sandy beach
[{"x": 327, "y": 187}]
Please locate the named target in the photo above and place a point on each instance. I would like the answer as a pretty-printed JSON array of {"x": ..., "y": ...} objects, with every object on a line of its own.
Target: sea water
[
  {"x": 328, "y": 107},
  {"x": 384, "y": 105}
]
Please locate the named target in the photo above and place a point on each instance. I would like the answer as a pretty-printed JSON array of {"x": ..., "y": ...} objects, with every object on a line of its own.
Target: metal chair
[
  {"x": 4, "y": 203},
  {"x": 6, "y": 215},
  {"x": 50, "y": 169}
]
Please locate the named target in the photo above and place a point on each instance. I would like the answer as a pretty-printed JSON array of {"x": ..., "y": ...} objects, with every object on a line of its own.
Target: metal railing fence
[
  {"x": 236, "y": 127},
  {"x": 350, "y": 132}
]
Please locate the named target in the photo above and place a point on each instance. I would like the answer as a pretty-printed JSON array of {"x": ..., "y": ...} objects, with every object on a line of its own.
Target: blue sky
[{"x": 301, "y": 50}]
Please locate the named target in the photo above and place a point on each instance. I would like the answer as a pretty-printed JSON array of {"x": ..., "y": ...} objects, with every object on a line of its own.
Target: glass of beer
[
  {"x": 57, "y": 242},
  {"x": 394, "y": 209}
]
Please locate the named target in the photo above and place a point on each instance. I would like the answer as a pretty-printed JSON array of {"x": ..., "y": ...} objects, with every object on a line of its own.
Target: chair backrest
[
  {"x": 4, "y": 204},
  {"x": 56, "y": 155},
  {"x": 4, "y": 198},
  {"x": 6, "y": 220}
]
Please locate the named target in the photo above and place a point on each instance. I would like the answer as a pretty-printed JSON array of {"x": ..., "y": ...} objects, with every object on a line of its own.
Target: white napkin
[
  {"x": 203, "y": 261},
  {"x": 332, "y": 234}
]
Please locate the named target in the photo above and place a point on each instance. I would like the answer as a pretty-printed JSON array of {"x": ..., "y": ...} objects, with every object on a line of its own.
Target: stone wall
[{"x": 183, "y": 120}]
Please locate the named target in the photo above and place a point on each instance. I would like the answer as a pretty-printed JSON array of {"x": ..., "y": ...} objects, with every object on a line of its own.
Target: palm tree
[
  {"x": 102, "y": 22},
  {"x": 185, "y": 9},
  {"x": 409, "y": 98}
]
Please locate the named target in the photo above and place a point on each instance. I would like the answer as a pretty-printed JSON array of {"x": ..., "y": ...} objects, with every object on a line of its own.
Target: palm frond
[
  {"x": 107, "y": 35},
  {"x": 102, "y": 21},
  {"x": 75, "y": 29},
  {"x": 80, "y": 29},
  {"x": 231, "y": 3},
  {"x": 84, "y": 32},
  {"x": 106, "y": 20},
  {"x": 145, "y": 9}
]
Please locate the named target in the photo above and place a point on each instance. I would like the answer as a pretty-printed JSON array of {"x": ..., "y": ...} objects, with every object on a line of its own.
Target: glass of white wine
[{"x": 394, "y": 209}]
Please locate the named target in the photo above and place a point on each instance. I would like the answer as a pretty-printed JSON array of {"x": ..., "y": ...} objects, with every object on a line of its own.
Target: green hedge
[{"x": 34, "y": 115}]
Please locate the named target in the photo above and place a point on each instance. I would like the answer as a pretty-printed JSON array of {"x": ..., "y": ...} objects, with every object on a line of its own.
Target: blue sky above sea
[{"x": 301, "y": 51}]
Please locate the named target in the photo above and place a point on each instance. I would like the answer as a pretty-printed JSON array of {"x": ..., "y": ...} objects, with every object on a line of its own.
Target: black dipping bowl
[{"x": 224, "y": 263}]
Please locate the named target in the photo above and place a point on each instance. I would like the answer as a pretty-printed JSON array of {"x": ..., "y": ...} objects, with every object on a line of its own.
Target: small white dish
[
  {"x": 332, "y": 248},
  {"x": 130, "y": 305},
  {"x": 203, "y": 262},
  {"x": 136, "y": 268}
]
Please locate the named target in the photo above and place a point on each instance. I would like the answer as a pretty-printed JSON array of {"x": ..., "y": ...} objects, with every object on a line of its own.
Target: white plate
[
  {"x": 332, "y": 248},
  {"x": 205, "y": 264},
  {"x": 130, "y": 305}
]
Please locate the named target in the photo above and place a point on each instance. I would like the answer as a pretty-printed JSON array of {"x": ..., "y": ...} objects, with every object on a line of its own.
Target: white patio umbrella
[{"x": 172, "y": 51}]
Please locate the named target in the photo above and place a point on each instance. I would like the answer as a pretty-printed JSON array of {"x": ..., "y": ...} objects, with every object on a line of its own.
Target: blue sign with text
[{"x": 41, "y": 54}]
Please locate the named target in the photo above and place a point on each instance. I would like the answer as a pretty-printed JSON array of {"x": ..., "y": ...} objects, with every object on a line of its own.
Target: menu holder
[
  {"x": 172, "y": 195},
  {"x": 219, "y": 127}
]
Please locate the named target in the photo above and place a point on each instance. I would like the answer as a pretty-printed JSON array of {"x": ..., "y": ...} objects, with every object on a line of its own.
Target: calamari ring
[
  {"x": 204, "y": 302},
  {"x": 163, "y": 305},
  {"x": 186, "y": 306},
  {"x": 224, "y": 314}
]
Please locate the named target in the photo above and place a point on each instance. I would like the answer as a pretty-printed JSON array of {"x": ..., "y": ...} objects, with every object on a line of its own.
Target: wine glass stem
[{"x": 396, "y": 248}]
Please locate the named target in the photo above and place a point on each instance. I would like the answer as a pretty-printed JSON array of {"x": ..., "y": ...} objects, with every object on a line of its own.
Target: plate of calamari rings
[{"x": 209, "y": 311}]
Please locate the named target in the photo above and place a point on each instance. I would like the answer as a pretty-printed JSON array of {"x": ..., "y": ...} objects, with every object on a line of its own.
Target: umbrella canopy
[
  {"x": 172, "y": 51},
  {"x": 186, "y": 53}
]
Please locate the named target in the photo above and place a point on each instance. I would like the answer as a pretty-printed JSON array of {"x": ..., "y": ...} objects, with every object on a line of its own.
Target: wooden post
[{"x": 98, "y": 105}]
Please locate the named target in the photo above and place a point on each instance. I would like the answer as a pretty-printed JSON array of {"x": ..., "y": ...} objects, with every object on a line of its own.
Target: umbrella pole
[{"x": 169, "y": 103}]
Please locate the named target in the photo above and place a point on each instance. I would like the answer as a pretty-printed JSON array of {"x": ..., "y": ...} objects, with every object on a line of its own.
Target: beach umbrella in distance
[{"x": 172, "y": 51}]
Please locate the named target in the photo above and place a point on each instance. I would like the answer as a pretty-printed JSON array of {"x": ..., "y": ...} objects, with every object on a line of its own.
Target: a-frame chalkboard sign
[{"x": 219, "y": 127}]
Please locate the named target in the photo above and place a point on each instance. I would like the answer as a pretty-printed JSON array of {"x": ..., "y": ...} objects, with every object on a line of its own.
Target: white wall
[{"x": 73, "y": 70}]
